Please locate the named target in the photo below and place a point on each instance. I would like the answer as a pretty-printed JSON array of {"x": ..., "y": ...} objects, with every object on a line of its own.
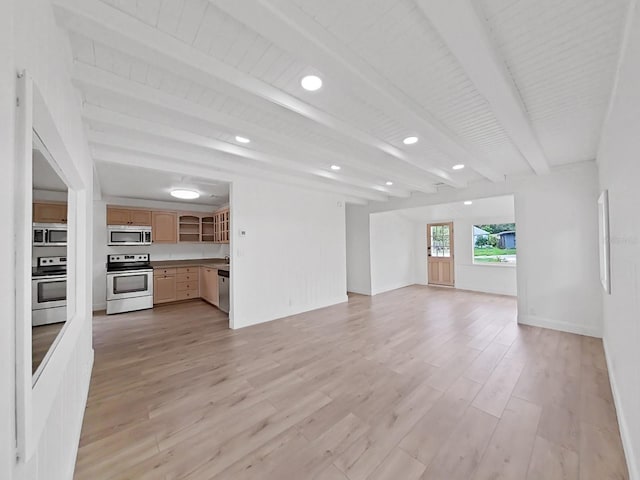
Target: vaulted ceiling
[{"x": 504, "y": 87}]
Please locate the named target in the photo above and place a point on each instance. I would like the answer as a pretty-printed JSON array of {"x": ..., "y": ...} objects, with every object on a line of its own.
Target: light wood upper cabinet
[
  {"x": 189, "y": 227},
  {"x": 221, "y": 226},
  {"x": 125, "y": 216},
  {"x": 49, "y": 212},
  {"x": 117, "y": 216},
  {"x": 140, "y": 217},
  {"x": 164, "y": 226},
  {"x": 174, "y": 227}
]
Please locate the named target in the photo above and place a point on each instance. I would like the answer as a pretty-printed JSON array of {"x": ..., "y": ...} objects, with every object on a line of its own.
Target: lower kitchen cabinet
[
  {"x": 164, "y": 288},
  {"x": 209, "y": 285},
  {"x": 172, "y": 284}
]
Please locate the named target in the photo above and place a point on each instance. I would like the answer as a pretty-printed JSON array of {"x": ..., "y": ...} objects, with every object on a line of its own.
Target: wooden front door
[{"x": 440, "y": 254}]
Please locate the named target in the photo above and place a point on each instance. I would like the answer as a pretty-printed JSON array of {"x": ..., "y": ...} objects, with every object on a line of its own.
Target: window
[
  {"x": 494, "y": 243},
  {"x": 440, "y": 241}
]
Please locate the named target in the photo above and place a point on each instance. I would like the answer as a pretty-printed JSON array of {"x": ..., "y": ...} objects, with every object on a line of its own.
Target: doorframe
[{"x": 450, "y": 224}]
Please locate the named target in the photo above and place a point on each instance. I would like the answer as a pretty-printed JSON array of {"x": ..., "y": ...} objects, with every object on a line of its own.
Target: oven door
[
  {"x": 132, "y": 284},
  {"x": 56, "y": 237},
  {"x": 48, "y": 293},
  {"x": 124, "y": 235}
]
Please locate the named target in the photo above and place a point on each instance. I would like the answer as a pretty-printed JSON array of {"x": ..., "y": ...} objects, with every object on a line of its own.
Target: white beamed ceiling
[{"x": 388, "y": 73}]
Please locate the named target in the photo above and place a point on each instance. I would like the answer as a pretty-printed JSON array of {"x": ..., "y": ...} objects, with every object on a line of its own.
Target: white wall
[
  {"x": 7, "y": 246},
  {"x": 556, "y": 215},
  {"x": 178, "y": 251},
  {"x": 498, "y": 279},
  {"x": 358, "y": 251},
  {"x": 293, "y": 256},
  {"x": 558, "y": 270},
  {"x": 619, "y": 161},
  {"x": 30, "y": 40},
  {"x": 393, "y": 260}
]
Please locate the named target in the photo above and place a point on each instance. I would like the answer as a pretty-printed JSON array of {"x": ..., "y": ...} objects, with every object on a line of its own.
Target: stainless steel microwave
[
  {"x": 128, "y": 235},
  {"x": 49, "y": 234}
]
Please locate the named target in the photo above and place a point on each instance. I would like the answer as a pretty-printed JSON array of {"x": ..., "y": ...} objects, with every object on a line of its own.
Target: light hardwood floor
[{"x": 419, "y": 383}]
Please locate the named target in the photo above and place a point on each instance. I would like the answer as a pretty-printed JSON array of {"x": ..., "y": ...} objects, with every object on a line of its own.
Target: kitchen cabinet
[
  {"x": 187, "y": 283},
  {"x": 45, "y": 212},
  {"x": 189, "y": 228},
  {"x": 221, "y": 226},
  {"x": 207, "y": 228},
  {"x": 164, "y": 288},
  {"x": 164, "y": 226},
  {"x": 126, "y": 216},
  {"x": 209, "y": 285},
  {"x": 169, "y": 227},
  {"x": 140, "y": 217}
]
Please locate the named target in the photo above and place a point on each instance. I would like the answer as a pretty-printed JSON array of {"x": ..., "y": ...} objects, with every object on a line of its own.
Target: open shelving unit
[
  {"x": 208, "y": 229},
  {"x": 189, "y": 228}
]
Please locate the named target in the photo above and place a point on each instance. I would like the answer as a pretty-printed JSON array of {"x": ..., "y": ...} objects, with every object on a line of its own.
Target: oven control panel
[
  {"x": 51, "y": 261},
  {"x": 122, "y": 258}
]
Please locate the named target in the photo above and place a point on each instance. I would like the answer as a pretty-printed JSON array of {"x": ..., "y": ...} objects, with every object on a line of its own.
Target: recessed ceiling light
[
  {"x": 468, "y": 202},
  {"x": 410, "y": 140},
  {"x": 242, "y": 139},
  {"x": 458, "y": 166},
  {"x": 311, "y": 83},
  {"x": 335, "y": 167},
  {"x": 184, "y": 194},
  {"x": 389, "y": 183}
]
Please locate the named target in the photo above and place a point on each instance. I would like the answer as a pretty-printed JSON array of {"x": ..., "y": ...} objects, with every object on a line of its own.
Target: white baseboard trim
[
  {"x": 99, "y": 306},
  {"x": 536, "y": 321},
  {"x": 632, "y": 459},
  {"x": 390, "y": 288},
  {"x": 294, "y": 311},
  {"x": 359, "y": 291},
  {"x": 78, "y": 429},
  {"x": 486, "y": 290}
]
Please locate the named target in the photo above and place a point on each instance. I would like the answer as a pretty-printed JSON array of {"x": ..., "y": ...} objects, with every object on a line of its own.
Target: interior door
[{"x": 440, "y": 254}]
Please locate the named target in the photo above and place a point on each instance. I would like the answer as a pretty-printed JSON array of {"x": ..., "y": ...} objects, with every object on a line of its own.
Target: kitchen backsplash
[{"x": 174, "y": 251}]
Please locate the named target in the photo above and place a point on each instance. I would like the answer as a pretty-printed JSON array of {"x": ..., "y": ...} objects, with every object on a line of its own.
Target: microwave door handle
[{"x": 46, "y": 235}]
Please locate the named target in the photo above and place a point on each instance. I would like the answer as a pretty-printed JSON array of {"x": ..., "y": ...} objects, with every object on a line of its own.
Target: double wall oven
[{"x": 129, "y": 283}]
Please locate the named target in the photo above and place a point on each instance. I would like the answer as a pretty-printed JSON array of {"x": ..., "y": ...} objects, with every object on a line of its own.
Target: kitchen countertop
[{"x": 194, "y": 262}]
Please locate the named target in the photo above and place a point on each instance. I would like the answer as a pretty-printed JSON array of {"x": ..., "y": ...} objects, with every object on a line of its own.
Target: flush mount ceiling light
[
  {"x": 242, "y": 139},
  {"x": 458, "y": 166},
  {"x": 311, "y": 83},
  {"x": 410, "y": 140},
  {"x": 184, "y": 194},
  {"x": 335, "y": 167},
  {"x": 468, "y": 202},
  {"x": 389, "y": 184}
]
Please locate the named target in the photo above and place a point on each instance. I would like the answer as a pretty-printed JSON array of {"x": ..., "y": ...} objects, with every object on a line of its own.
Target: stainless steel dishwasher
[{"x": 223, "y": 290}]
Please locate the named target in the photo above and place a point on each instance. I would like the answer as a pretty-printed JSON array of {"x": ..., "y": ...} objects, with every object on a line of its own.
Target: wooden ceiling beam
[
  {"x": 94, "y": 80},
  {"x": 156, "y": 148},
  {"x": 483, "y": 64},
  {"x": 284, "y": 24},
  {"x": 120, "y": 121},
  {"x": 108, "y": 25}
]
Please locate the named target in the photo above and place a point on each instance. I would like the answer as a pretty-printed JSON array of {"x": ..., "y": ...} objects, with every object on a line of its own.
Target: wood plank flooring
[{"x": 418, "y": 383}]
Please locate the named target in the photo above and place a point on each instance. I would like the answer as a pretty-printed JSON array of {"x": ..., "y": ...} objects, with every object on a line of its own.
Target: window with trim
[{"x": 494, "y": 244}]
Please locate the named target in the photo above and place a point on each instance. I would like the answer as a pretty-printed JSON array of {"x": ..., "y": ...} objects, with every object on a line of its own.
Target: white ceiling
[
  {"x": 498, "y": 207},
  {"x": 525, "y": 88},
  {"x": 149, "y": 184}
]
